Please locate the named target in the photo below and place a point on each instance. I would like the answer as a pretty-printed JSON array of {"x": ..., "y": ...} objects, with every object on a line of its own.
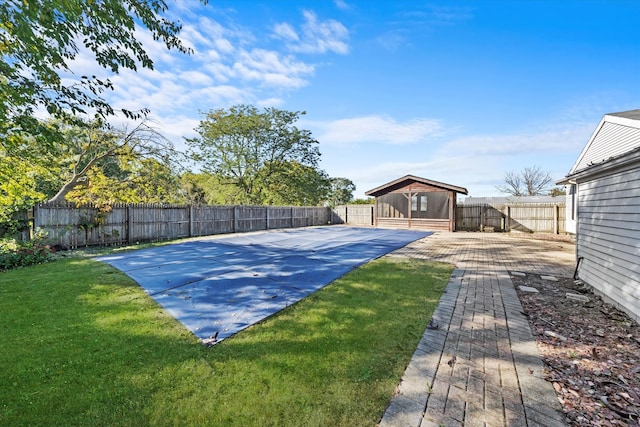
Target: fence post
[
  {"x": 235, "y": 219},
  {"x": 508, "y": 224},
  {"x": 556, "y": 215},
  {"x": 34, "y": 225},
  {"x": 190, "y": 214},
  {"x": 128, "y": 226},
  {"x": 482, "y": 217},
  {"x": 267, "y": 217}
]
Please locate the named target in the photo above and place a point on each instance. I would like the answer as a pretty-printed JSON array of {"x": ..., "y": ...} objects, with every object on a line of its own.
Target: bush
[{"x": 14, "y": 254}]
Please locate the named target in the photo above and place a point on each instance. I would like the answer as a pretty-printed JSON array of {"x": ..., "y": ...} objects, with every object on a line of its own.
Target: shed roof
[{"x": 405, "y": 179}]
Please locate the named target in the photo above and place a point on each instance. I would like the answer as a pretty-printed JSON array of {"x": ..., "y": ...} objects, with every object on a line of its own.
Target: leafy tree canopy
[
  {"x": 294, "y": 184},
  {"x": 21, "y": 185},
  {"x": 40, "y": 38},
  {"x": 249, "y": 150},
  {"x": 341, "y": 192},
  {"x": 367, "y": 201},
  {"x": 91, "y": 163},
  {"x": 557, "y": 191},
  {"x": 97, "y": 146}
]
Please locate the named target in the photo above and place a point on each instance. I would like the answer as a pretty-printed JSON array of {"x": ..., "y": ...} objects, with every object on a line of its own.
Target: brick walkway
[{"x": 480, "y": 366}]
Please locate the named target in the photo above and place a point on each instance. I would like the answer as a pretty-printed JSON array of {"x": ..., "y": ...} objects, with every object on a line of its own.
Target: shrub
[{"x": 14, "y": 254}]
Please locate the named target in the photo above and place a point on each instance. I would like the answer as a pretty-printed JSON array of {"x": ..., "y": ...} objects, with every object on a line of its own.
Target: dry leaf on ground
[{"x": 591, "y": 351}]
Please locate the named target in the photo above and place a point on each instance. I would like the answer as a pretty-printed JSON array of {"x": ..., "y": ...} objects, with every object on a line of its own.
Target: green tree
[
  {"x": 531, "y": 181},
  {"x": 128, "y": 180},
  {"x": 341, "y": 191},
  {"x": 28, "y": 174},
  {"x": 92, "y": 163},
  {"x": 247, "y": 148},
  {"x": 97, "y": 146},
  {"x": 367, "y": 201},
  {"x": 557, "y": 191},
  {"x": 40, "y": 38},
  {"x": 20, "y": 188},
  {"x": 298, "y": 185}
]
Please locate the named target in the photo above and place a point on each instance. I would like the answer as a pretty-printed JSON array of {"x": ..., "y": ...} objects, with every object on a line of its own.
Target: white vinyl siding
[
  {"x": 608, "y": 237},
  {"x": 613, "y": 139}
]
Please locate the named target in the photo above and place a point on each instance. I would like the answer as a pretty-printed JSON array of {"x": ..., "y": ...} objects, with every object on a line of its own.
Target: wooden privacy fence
[
  {"x": 524, "y": 217},
  {"x": 76, "y": 226},
  {"x": 361, "y": 215}
]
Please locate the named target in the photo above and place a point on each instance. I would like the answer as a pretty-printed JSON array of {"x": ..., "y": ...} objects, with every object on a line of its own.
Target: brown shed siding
[
  {"x": 415, "y": 224},
  {"x": 395, "y": 212},
  {"x": 414, "y": 187}
]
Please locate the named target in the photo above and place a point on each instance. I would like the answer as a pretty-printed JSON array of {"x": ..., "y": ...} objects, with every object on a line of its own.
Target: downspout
[
  {"x": 575, "y": 272},
  {"x": 576, "y": 208}
]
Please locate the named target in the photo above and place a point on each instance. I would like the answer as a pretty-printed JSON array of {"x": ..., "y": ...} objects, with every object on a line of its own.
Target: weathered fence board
[
  {"x": 118, "y": 224},
  {"x": 353, "y": 215},
  {"x": 525, "y": 217},
  {"x": 77, "y": 226}
]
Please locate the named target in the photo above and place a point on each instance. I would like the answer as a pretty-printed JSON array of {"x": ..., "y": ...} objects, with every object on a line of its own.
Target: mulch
[{"x": 591, "y": 351}]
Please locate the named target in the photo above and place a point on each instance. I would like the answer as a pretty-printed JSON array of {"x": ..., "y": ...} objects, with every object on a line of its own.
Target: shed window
[
  {"x": 419, "y": 202},
  {"x": 427, "y": 205},
  {"x": 393, "y": 205}
]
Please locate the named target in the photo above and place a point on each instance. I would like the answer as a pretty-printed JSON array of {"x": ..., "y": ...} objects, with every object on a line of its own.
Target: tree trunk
[{"x": 60, "y": 195}]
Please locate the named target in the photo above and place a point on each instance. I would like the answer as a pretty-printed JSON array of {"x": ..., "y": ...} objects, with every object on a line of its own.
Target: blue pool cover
[{"x": 217, "y": 286}]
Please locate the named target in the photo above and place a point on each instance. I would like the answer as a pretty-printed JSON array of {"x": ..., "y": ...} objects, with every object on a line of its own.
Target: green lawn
[{"x": 81, "y": 344}]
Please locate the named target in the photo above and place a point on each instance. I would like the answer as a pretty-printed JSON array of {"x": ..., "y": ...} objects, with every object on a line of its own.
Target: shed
[
  {"x": 603, "y": 203},
  {"x": 416, "y": 203}
]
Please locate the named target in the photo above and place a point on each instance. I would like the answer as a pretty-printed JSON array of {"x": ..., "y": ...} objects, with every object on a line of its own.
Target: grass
[{"x": 83, "y": 345}]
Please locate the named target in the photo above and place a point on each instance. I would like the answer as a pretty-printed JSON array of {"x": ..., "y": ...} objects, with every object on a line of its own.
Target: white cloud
[
  {"x": 316, "y": 36},
  {"x": 377, "y": 129},
  {"x": 342, "y": 5},
  {"x": 215, "y": 96},
  {"x": 228, "y": 65},
  {"x": 270, "y": 102},
  {"x": 568, "y": 138},
  {"x": 205, "y": 34},
  {"x": 272, "y": 69},
  {"x": 196, "y": 78},
  {"x": 286, "y": 32},
  {"x": 176, "y": 128},
  {"x": 477, "y": 162}
]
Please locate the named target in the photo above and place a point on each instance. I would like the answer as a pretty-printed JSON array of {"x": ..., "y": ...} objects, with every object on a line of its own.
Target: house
[
  {"x": 416, "y": 203},
  {"x": 603, "y": 210}
]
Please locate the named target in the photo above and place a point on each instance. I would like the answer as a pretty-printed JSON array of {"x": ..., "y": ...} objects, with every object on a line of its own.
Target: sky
[{"x": 460, "y": 92}]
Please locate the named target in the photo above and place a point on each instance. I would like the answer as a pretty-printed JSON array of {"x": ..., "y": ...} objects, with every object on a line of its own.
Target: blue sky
[{"x": 454, "y": 91}]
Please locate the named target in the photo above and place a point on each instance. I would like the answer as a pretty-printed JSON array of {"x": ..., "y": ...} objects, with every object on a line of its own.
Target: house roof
[
  {"x": 631, "y": 114},
  {"x": 615, "y": 135},
  {"x": 612, "y": 163},
  {"x": 400, "y": 181}
]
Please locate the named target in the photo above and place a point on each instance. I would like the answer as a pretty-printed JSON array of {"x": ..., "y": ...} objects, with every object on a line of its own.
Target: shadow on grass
[{"x": 84, "y": 345}]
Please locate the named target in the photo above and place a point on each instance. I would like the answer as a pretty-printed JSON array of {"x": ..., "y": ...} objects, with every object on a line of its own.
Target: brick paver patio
[{"x": 478, "y": 364}]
